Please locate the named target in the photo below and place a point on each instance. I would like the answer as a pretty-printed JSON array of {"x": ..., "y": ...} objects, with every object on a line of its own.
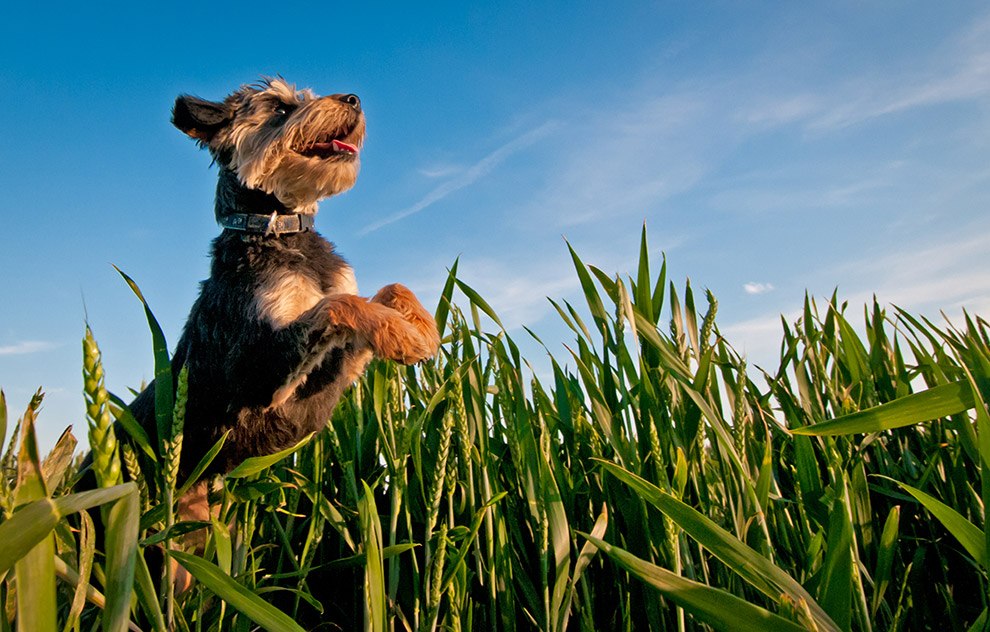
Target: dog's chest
[{"x": 286, "y": 295}]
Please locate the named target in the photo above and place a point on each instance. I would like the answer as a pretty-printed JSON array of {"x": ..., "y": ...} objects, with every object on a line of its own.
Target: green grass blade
[
  {"x": 58, "y": 460},
  {"x": 446, "y": 296},
  {"x": 969, "y": 535},
  {"x": 608, "y": 284},
  {"x": 123, "y": 414},
  {"x": 835, "y": 589},
  {"x": 642, "y": 296},
  {"x": 760, "y": 572},
  {"x": 982, "y": 623},
  {"x": 765, "y": 477},
  {"x": 885, "y": 556},
  {"x": 164, "y": 388},
  {"x": 590, "y": 293},
  {"x": 33, "y": 522},
  {"x": 374, "y": 569},
  {"x": 26, "y": 529},
  {"x": 35, "y": 568},
  {"x": 255, "y": 464},
  {"x": 936, "y": 402},
  {"x": 239, "y": 597},
  {"x": 720, "y": 609},
  {"x": 144, "y": 590},
  {"x": 3, "y": 417},
  {"x": 980, "y": 390},
  {"x": 30, "y": 482},
  {"x": 479, "y": 302},
  {"x": 35, "y": 572},
  {"x": 457, "y": 560},
  {"x": 659, "y": 289},
  {"x": 584, "y": 559},
  {"x": 222, "y": 543},
  {"x": 71, "y": 503},
  {"x": 86, "y": 553},
  {"x": 202, "y": 465},
  {"x": 121, "y": 550}
]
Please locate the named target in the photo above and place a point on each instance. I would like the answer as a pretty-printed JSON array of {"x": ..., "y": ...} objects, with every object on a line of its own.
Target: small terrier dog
[{"x": 278, "y": 331}]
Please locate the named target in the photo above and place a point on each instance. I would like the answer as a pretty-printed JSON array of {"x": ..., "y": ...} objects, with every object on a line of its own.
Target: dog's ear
[{"x": 199, "y": 118}]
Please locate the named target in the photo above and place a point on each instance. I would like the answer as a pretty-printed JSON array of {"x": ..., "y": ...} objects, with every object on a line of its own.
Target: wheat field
[{"x": 653, "y": 482}]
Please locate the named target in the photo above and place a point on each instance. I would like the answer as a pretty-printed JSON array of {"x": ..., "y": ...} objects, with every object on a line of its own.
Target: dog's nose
[{"x": 351, "y": 100}]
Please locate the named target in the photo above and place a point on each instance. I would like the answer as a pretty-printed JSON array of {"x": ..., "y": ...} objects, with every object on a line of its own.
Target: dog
[{"x": 278, "y": 331}]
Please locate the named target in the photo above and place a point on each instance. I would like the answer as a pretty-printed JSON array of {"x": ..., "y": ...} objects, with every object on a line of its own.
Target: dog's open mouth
[{"x": 328, "y": 148}]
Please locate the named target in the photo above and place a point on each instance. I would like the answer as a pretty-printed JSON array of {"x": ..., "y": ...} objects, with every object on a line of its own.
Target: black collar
[{"x": 273, "y": 224}]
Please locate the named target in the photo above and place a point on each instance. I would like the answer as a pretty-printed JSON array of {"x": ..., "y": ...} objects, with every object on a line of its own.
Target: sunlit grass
[{"x": 653, "y": 482}]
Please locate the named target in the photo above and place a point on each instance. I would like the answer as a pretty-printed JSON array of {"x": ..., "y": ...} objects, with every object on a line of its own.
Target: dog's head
[{"x": 291, "y": 143}]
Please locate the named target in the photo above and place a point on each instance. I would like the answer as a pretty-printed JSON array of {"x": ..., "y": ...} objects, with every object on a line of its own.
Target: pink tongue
[{"x": 340, "y": 145}]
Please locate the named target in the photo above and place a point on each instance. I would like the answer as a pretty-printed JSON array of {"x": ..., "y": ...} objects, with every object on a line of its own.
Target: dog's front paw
[
  {"x": 401, "y": 299},
  {"x": 404, "y": 347},
  {"x": 420, "y": 340}
]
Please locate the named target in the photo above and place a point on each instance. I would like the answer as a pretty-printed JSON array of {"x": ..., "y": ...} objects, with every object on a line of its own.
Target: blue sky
[{"x": 772, "y": 148}]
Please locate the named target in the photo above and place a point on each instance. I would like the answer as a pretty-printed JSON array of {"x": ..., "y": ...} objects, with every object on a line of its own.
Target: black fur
[
  {"x": 198, "y": 117},
  {"x": 237, "y": 361}
]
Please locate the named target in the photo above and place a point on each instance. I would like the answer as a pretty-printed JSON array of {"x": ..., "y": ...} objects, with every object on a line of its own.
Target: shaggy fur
[{"x": 278, "y": 331}]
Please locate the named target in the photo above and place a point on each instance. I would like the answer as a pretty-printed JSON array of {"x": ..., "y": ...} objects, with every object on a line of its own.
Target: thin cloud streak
[
  {"x": 961, "y": 73},
  {"x": 480, "y": 169},
  {"x": 26, "y": 347},
  {"x": 654, "y": 151}
]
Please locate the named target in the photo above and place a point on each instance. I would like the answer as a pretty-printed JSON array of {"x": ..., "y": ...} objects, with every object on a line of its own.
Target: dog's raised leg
[{"x": 392, "y": 325}]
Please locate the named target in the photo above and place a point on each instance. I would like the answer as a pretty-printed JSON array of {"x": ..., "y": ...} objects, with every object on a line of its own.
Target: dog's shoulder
[
  {"x": 284, "y": 278},
  {"x": 335, "y": 275}
]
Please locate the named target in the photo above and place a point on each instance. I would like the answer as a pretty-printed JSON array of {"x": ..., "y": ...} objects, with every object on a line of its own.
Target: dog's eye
[{"x": 282, "y": 109}]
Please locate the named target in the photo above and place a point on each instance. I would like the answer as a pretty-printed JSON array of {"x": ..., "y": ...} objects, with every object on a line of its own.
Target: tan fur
[
  {"x": 346, "y": 282},
  {"x": 286, "y": 297},
  {"x": 265, "y": 157},
  {"x": 416, "y": 328}
]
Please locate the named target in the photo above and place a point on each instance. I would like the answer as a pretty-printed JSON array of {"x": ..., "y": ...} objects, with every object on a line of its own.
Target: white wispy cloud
[
  {"x": 668, "y": 138},
  {"x": 757, "y": 288},
  {"x": 779, "y": 110},
  {"x": 480, "y": 169},
  {"x": 624, "y": 159},
  {"x": 25, "y": 347},
  {"x": 959, "y": 71}
]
